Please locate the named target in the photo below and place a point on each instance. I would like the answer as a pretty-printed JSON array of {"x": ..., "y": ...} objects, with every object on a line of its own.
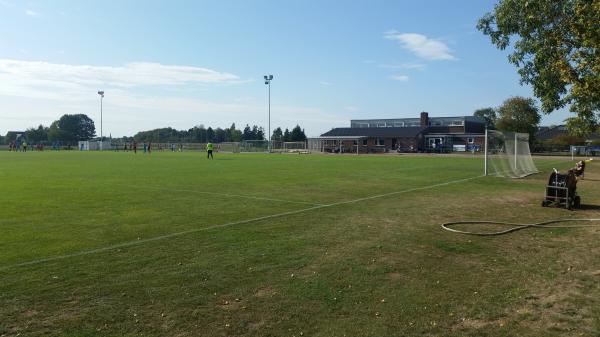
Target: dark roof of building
[
  {"x": 550, "y": 132},
  {"x": 376, "y": 132},
  {"x": 546, "y": 133}
]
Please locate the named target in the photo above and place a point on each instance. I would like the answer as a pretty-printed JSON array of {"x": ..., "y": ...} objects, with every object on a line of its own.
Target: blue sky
[{"x": 186, "y": 63}]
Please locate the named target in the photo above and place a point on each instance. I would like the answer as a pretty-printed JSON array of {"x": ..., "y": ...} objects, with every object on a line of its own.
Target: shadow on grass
[{"x": 589, "y": 207}]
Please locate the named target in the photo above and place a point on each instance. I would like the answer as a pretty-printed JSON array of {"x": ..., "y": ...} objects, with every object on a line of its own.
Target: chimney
[{"x": 424, "y": 119}]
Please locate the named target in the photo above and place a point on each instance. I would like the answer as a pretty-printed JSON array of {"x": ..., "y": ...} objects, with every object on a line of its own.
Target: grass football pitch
[{"x": 173, "y": 244}]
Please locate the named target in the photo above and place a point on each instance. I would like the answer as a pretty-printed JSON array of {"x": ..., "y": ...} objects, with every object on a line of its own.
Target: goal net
[
  {"x": 230, "y": 147},
  {"x": 254, "y": 146},
  {"x": 507, "y": 155},
  {"x": 288, "y": 147}
]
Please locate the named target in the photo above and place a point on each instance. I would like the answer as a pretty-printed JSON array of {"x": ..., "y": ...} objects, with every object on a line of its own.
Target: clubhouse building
[{"x": 423, "y": 134}]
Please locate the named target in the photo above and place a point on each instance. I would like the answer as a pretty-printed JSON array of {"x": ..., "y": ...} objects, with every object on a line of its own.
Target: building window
[
  {"x": 380, "y": 142},
  {"x": 364, "y": 142},
  {"x": 354, "y": 142},
  {"x": 470, "y": 140}
]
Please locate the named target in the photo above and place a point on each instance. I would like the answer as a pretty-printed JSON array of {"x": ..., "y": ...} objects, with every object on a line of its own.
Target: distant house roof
[
  {"x": 549, "y": 132},
  {"x": 403, "y": 132}
]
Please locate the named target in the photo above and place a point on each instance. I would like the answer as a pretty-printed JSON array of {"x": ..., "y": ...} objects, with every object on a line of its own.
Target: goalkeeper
[
  {"x": 580, "y": 168},
  {"x": 209, "y": 150}
]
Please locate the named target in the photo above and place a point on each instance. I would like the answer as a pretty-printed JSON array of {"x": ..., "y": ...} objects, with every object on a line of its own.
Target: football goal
[
  {"x": 229, "y": 147},
  {"x": 254, "y": 146},
  {"x": 288, "y": 147},
  {"x": 507, "y": 154}
]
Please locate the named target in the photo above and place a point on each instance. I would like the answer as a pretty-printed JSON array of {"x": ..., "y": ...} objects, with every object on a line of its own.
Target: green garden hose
[{"x": 516, "y": 226}]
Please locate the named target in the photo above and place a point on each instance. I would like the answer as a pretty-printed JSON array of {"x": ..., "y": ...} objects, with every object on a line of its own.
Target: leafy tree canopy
[
  {"x": 37, "y": 135},
  {"x": 297, "y": 134},
  {"x": 277, "y": 134},
  {"x": 72, "y": 128},
  {"x": 556, "y": 50},
  {"x": 489, "y": 115},
  {"x": 519, "y": 114}
]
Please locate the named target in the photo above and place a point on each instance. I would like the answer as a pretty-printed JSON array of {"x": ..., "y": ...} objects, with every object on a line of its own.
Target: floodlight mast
[
  {"x": 268, "y": 80},
  {"x": 101, "y": 93}
]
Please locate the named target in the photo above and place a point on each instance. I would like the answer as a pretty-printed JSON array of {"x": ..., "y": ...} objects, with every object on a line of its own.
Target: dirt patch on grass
[
  {"x": 231, "y": 303},
  {"x": 30, "y": 313},
  {"x": 395, "y": 276},
  {"x": 556, "y": 308},
  {"x": 477, "y": 324},
  {"x": 257, "y": 325},
  {"x": 265, "y": 292}
]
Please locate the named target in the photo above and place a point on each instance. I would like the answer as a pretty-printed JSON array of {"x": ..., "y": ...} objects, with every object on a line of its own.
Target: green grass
[{"x": 116, "y": 244}]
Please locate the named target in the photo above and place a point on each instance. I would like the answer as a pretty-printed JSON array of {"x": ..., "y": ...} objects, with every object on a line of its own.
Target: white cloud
[
  {"x": 39, "y": 92},
  {"x": 27, "y": 78},
  {"x": 351, "y": 108},
  {"x": 325, "y": 83},
  {"x": 421, "y": 45},
  {"x": 31, "y": 13},
  {"x": 402, "y": 78}
]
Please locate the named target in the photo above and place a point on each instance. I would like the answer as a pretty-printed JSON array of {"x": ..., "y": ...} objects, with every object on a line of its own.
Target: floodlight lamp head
[
  {"x": 266, "y": 78},
  {"x": 270, "y": 77},
  {"x": 266, "y": 82},
  {"x": 101, "y": 93}
]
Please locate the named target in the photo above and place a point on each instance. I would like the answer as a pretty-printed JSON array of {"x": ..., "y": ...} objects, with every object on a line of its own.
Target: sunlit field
[{"x": 173, "y": 244}]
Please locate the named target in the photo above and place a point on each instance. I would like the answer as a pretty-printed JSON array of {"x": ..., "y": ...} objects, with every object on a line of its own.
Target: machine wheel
[
  {"x": 569, "y": 204},
  {"x": 577, "y": 202}
]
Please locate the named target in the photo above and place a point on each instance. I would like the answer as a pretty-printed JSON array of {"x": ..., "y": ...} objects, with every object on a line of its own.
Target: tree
[
  {"x": 210, "y": 134},
  {"x": 234, "y": 134},
  {"x": 37, "y": 135},
  {"x": 287, "y": 137},
  {"x": 260, "y": 133},
  {"x": 277, "y": 135},
  {"x": 297, "y": 134},
  {"x": 519, "y": 114},
  {"x": 220, "y": 135},
  {"x": 581, "y": 126},
  {"x": 72, "y": 128},
  {"x": 489, "y": 115},
  {"x": 197, "y": 134},
  {"x": 54, "y": 132},
  {"x": 165, "y": 135},
  {"x": 557, "y": 50},
  {"x": 254, "y": 133},
  {"x": 247, "y": 134}
]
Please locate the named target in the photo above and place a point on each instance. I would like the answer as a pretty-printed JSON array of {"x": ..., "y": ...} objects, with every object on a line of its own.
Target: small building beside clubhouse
[{"x": 423, "y": 134}]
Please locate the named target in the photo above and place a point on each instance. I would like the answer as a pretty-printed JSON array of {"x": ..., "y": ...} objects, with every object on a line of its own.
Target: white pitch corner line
[
  {"x": 225, "y": 195},
  {"x": 241, "y": 222}
]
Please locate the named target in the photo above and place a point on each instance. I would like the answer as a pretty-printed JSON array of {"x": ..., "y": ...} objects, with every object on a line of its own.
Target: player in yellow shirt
[{"x": 209, "y": 150}]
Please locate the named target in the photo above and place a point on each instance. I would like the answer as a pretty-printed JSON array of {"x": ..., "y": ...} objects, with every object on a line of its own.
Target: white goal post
[{"x": 507, "y": 154}]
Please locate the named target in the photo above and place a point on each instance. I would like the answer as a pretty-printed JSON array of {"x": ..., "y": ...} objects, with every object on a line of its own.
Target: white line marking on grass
[
  {"x": 225, "y": 195},
  {"x": 241, "y": 222}
]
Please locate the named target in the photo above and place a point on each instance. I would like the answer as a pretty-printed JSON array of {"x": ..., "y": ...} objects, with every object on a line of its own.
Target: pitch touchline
[
  {"x": 225, "y": 195},
  {"x": 241, "y": 222}
]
